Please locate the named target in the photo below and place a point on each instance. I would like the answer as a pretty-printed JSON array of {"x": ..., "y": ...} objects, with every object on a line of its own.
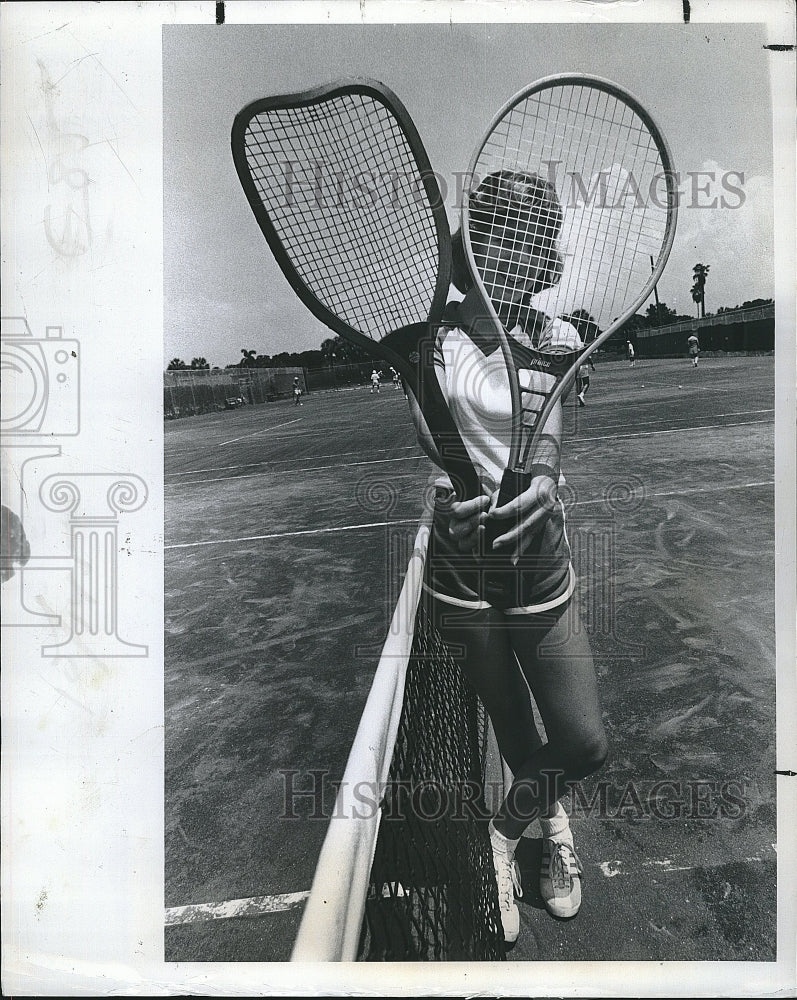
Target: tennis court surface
[{"x": 288, "y": 533}]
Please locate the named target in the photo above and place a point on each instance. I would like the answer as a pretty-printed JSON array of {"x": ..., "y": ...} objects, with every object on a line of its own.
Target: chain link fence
[
  {"x": 189, "y": 392},
  {"x": 346, "y": 376},
  {"x": 738, "y": 331}
]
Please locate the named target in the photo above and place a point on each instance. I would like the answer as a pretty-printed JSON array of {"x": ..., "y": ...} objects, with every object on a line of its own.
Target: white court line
[
  {"x": 413, "y": 458},
  {"x": 693, "y": 427},
  {"x": 611, "y": 869},
  {"x": 420, "y": 455},
  {"x": 261, "y": 906},
  {"x": 285, "y": 461},
  {"x": 315, "y": 468},
  {"x": 343, "y": 454},
  {"x": 254, "y": 906},
  {"x": 684, "y": 493},
  {"x": 413, "y": 447},
  {"x": 387, "y": 524},
  {"x": 676, "y": 385},
  {"x": 290, "y": 534},
  {"x": 266, "y": 430},
  {"x": 674, "y": 430}
]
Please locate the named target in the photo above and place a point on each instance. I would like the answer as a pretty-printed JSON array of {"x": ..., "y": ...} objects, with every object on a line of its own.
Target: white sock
[
  {"x": 501, "y": 843},
  {"x": 557, "y": 826}
]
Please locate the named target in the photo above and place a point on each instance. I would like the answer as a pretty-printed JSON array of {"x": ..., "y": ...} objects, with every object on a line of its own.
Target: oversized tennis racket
[
  {"x": 344, "y": 193},
  {"x": 571, "y": 195}
]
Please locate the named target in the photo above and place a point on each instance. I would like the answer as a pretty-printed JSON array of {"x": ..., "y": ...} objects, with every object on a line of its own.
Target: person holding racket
[
  {"x": 534, "y": 643},
  {"x": 486, "y": 375}
]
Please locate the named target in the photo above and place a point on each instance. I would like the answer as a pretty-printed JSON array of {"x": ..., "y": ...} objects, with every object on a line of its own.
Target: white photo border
[{"x": 83, "y": 746}]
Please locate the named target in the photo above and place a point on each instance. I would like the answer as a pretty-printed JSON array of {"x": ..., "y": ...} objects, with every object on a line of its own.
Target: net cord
[{"x": 334, "y": 913}]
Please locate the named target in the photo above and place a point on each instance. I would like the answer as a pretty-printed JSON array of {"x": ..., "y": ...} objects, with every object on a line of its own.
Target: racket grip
[{"x": 501, "y": 578}]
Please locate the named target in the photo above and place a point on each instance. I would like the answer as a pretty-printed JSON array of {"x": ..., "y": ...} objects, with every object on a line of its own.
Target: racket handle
[
  {"x": 512, "y": 485},
  {"x": 501, "y": 577}
]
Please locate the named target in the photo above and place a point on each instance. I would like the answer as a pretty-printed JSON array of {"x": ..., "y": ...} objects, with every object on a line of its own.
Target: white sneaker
[
  {"x": 581, "y": 400},
  {"x": 560, "y": 878},
  {"x": 507, "y": 875}
]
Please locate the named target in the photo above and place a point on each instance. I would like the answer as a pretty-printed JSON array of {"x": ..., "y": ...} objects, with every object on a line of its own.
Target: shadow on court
[{"x": 287, "y": 532}]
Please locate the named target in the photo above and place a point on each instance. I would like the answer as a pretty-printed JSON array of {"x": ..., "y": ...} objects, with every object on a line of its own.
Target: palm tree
[
  {"x": 248, "y": 359},
  {"x": 698, "y": 289},
  {"x": 696, "y": 296},
  {"x": 199, "y": 363},
  {"x": 176, "y": 365}
]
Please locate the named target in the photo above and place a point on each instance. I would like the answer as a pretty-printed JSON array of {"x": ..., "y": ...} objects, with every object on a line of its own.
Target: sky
[{"x": 707, "y": 87}]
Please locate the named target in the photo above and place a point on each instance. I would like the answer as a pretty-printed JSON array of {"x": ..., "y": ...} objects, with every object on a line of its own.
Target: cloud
[
  {"x": 736, "y": 242},
  {"x": 611, "y": 228},
  {"x": 725, "y": 220}
]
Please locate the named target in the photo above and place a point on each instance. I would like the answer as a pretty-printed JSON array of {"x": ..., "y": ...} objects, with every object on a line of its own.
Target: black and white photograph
[{"x": 399, "y": 499}]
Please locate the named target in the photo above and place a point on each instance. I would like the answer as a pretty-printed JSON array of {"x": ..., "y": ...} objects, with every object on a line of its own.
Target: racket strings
[
  {"x": 597, "y": 143},
  {"x": 624, "y": 270},
  {"x": 339, "y": 183}
]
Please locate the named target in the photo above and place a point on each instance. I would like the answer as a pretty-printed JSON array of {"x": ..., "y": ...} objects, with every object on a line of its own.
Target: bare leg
[
  {"x": 485, "y": 655},
  {"x": 556, "y": 659}
]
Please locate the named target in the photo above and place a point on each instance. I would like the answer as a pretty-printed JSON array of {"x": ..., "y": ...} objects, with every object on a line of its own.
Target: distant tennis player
[
  {"x": 582, "y": 381},
  {"x": 297, "y": 391},
  {"x": 693, "y": 346},
  {"x": 631, "y": 354},
  {"x": 375, "y": 380}
]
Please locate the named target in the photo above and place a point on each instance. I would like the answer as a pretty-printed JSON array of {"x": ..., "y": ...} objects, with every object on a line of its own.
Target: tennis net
[{"x": 412, "y": 880}]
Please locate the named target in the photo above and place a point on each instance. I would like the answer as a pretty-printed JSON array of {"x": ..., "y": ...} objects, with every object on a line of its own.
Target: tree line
[
  {"x": 333, "y": 351},
  {"x": 337, "y": 351}
]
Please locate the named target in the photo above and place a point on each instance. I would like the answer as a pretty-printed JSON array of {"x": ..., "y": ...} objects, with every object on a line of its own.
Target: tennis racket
[
  {"x": 570, "y": 196},
  {"x": 344, "y": 193}
]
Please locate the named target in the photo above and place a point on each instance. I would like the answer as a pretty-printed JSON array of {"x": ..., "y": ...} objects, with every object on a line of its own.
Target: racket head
[
  {"x": 571, "y": 193},
  {"x": 344, "y": 193}
]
